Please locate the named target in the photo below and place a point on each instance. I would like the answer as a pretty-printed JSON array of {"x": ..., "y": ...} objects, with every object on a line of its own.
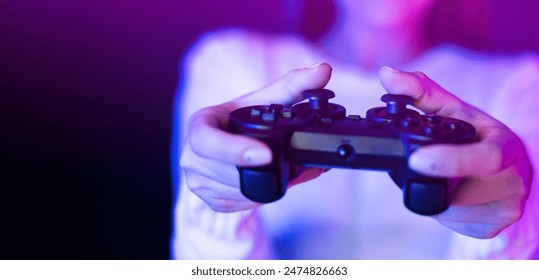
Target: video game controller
[{"x": 320, "y": 134}]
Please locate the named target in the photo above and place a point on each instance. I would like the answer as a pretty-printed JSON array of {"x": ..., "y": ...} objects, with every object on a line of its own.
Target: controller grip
[
  {"x": 266, "y": 183},
  {"x": 426, "y": 196}
]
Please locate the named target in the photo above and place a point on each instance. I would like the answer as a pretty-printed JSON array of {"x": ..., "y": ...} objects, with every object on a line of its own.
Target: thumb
[
  {"x": 205, "y": 129},
  {"x": 288, "y": 89},
  {"x": 428, "y": 95}
]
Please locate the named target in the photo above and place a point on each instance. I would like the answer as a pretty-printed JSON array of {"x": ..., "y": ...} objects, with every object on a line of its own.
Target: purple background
[{"x": 86, "y": 89}]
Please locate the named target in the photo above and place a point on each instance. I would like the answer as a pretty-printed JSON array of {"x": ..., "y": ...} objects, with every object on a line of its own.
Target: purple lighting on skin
[{"x": 91, "y": 83}]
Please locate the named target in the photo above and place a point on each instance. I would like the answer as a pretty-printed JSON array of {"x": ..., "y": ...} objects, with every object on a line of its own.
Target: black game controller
[{"x": 319, "y": 134}]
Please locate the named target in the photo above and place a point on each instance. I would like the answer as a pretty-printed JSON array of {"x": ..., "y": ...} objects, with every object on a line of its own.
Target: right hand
[{"x": 210, "y": 154}]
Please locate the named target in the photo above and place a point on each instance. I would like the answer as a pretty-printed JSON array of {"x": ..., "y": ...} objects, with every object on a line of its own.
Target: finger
[
  {"x": 445, "y": 160},
  {"x": 289, "y": 88},
  {"x": 487, "y": 189},
  {"x": 307, "y": 174},
  {"x": 477, "y": 230},
  {"x": 498, "y": 150},
  {"x": 208, "y": 140},
  {"x": 220, "y": 197},
  {"x": 221, "y": 172},
  {"x": 478, "y": 220},
  {"x": 428, "y": 95}
]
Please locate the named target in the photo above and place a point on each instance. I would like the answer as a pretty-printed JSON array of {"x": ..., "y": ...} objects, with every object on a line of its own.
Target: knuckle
[
  {"x": 513, "y": 216},
  {"x": 196, "y": 185},
  {"x": 192, "y": 119},
  {"x": 197, "y": 147},
  {"x": 520, "y": 188},
  {"x": 223, "y": 205},
  {"x": 291, "y": 74},
  {"x": 495, "y": 155},
  {"x": 424, "y": 82},
  {"x": 207, "y": 192},
  {"x": 207, "y": 116},
  {"x": 420, "y": 75},
  {"x": 512, "y": 213},
  {"x": 289, "y": 82},
  {"x": 505, "y": 218},
  {"x": 184, "y": 161},
  {"x": 482, "y": 231},
  {"x": 488, "y": 234},
  {"x": 187, "y": 161}
]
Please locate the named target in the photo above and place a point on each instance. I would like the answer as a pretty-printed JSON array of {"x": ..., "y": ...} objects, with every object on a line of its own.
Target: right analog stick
[{"x": 396, "y": 104}]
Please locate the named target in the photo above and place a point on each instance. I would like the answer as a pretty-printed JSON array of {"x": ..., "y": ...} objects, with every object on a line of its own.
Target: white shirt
[{"x": 345, "y": 214}]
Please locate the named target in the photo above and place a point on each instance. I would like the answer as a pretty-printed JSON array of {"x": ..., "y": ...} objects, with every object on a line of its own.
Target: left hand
[{"x": 495, "y": 173}]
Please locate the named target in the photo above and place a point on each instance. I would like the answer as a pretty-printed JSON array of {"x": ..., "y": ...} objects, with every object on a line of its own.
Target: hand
[
  {"x": 495, "y": 173},
  {"x": 210, "y": 154}
]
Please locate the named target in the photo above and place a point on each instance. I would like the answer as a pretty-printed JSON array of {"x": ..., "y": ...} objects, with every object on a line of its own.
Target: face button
[
  {"x": 432, "y": 119},
  {"x": 454, "y": 126},
  {"x": 431, "y": 130},
  {"x": 408, "y": 122}
]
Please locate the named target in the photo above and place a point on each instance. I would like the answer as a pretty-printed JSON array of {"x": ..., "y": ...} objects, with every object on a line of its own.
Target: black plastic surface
[{"x": 318, "y": 133}]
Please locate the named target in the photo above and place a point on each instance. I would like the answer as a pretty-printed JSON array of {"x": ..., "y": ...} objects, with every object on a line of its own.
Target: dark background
[
  {"x": 86, "y": 90},
  {"x": 86, "y": 93}
]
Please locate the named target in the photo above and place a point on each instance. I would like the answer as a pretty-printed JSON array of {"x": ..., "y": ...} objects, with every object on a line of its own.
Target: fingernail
[
  {"x": 257, "y": 156},
  {"x": 389, "y": 69},
  {"x": 316, "y": 65},
  {"x": 423, "y": 165}
]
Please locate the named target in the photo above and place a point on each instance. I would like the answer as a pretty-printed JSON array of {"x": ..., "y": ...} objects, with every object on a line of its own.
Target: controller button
[
  {"x": 431, "y": 130},
  {"x": 408, "y": 122},
  {"x": 454, "y": 126},
  {"x": 287, "y": 113},
  {"x": 268, "y": 117},
  {"x": 345, "y": 151},
  {"x": 432, "y": 119},
  {"x": 354, "y": 117},
  {"x": 255, "y": 113},
  {"x": 326, "y": 120},
  {"x": 378, "y": 123},
  {"x": 274, "y": 108}
]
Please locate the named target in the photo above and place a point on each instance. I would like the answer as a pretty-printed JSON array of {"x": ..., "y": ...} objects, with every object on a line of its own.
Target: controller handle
[
  {"x": 272, "y": 125},
  {"x": 266, "y": 183},
  {"x": 422, "y": 195},
  {"x": 428, "y": 196}
]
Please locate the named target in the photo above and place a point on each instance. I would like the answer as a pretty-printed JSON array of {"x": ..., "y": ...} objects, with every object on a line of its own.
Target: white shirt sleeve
[{"x": 213, "y": 75}]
